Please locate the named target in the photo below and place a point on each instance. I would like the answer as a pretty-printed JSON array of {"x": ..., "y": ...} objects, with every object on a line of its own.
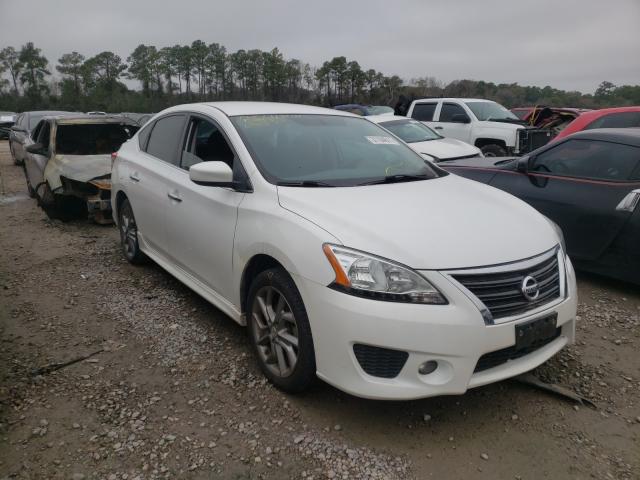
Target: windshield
[
  {"x": 92, "y": 138},
  {"x": 327, "y": 150},
  {"x": 411, "y": 131},
  {"x": 378, "y": 110},
  {"x": 490, "y": 111}
]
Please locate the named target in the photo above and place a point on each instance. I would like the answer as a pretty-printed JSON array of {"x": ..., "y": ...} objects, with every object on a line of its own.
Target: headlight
[
  {"x": 365, "y": 275},
  {"x": 558, "y": 230}
]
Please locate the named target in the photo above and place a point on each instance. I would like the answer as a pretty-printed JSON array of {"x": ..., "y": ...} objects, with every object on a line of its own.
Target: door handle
[
  {"x": 174, "y": 196},
  {"x": 134, "y": 177},
  {"x": 630, "y": 201},
  {"x": 438, "y": 128}
]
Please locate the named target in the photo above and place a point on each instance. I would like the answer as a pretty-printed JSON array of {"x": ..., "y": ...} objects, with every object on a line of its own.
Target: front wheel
[
  {"x": 129, "y": 234},
  {"x": 493, "y": 150},
  {"x": 280, "y": 332}
]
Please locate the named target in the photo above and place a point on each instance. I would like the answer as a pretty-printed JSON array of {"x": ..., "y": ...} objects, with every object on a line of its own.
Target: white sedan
[
  {"x": 346, "y": 255},
  {"x": 425, "y": 141}
]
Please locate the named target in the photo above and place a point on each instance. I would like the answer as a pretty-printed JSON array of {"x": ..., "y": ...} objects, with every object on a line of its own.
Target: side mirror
[
  {"x": 460, "y": 118},
  {"x": 37, "y": 149},
  {"x": 523, "y": 164},
  {"x": 212, "y": 174},
  {"x": 18, "y": 128}
]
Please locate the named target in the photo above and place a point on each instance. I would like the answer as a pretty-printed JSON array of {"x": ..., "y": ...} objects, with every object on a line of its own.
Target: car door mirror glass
[
  {"x": 214, "y": 174},
  {"x": 460, "y": 118}
]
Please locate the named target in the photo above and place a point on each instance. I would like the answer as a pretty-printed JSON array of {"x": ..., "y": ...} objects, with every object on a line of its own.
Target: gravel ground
[{"x": 172, "y": 390}]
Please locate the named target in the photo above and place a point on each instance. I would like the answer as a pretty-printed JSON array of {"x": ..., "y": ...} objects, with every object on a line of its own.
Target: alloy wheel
[
  {"x": 275, "y": 331},
  {"x": 128, "y": 232}
]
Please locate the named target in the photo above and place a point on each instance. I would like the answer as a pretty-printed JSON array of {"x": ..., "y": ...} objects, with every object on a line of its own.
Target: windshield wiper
[
  {"x": 397, "y": 179},
  {"x": 304, "y": 183}
]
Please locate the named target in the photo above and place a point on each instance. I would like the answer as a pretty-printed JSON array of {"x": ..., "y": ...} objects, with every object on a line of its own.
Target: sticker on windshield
[{"x": 381, "y": 140}]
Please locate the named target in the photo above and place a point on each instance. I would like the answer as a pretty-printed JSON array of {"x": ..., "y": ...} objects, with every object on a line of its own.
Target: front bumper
[{"x": 454, "y": 335}]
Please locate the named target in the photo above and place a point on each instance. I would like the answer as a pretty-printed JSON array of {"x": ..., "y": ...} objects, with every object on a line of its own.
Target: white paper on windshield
[{"x": 382, "y": 140}]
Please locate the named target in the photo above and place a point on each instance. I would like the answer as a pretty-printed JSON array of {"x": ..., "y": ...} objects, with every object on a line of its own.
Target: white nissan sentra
[{"x": 346, "y": 255}]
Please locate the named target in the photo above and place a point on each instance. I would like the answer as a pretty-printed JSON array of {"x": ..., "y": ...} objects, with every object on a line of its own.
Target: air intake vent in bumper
[{"x": 380, "y": 362}]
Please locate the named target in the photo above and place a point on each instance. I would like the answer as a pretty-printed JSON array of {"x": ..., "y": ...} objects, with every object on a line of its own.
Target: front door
[
  {"x": 448, "y": 126},
  {"x": 201, "y": 220}
]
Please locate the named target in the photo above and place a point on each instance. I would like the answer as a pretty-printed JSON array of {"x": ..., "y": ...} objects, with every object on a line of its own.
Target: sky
[{"x": 567, "y": 44}]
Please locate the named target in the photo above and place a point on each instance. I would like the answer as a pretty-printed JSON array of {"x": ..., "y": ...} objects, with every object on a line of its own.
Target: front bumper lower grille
[
  {"x": 499, "y": 357},
  {"x": 380, "y": 362},
  {"x": 502, "y": 292}
]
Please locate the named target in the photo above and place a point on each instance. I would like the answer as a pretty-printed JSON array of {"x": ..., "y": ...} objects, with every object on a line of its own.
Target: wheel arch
[
  {"x": 483, "y": 141},
  {"x": 256, "y": 265},
  {"x": 120, "y": 197}
]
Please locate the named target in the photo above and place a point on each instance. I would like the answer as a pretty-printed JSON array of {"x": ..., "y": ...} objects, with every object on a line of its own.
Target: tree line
[{"x": 208, "y": 72}]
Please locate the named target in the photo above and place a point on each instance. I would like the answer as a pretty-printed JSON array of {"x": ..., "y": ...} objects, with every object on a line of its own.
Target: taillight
[{"x": 114, "y": 155}]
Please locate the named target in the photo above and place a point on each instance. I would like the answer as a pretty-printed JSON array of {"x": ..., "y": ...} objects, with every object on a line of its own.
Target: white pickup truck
[{"x": 483, "y": 123}]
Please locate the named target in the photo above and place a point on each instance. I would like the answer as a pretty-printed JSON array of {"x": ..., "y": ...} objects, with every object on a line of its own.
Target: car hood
[
  {"x": 76, "y": 167},
  {"x": 444, "y": 223},
  {"x": 445, "y": 148}
]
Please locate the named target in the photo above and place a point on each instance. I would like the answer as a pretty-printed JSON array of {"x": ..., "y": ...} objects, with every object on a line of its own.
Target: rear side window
[
  {"x": 616, "y": 120},
  {"x": 165, "y": 138},
  {"x": 143, "y": 136},
  {"x": 590, "y": 159},
  {"x": 423, "y": 111},
  {"x": 449, "y": 110}
]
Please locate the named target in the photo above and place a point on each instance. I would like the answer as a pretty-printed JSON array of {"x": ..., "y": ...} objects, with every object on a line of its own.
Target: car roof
[
  {"x": 431, "y": 99},
  {"x": 629, "y": 136},
  {"x": 233, "y": 109},
  {"x": 605, "y": 111},
  {"x": 86, "y": 119}
]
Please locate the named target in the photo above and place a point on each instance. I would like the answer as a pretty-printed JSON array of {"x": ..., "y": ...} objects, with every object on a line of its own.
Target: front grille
[
  {"x": 380, "y": 362},
  {"x": 493, "y": 359},
  {"x": 502, "y": 292}
]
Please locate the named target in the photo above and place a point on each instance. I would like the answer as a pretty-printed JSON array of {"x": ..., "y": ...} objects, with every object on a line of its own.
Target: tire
[
  {"x": 493, "y": 150},
  {"x": 129, "y": 234},
  {"x": 280, "y": 331},
  {"x": 30, "y": 190}
]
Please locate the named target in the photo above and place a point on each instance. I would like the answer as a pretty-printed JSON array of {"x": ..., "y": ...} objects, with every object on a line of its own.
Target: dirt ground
[{"x": 174, "y": 391}]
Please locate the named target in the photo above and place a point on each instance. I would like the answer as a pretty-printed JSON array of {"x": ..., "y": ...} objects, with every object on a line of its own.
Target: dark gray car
[{"x": 20, "y": 135}]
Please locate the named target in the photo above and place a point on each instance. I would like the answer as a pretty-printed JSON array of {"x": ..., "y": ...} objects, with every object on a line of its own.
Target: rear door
[
  {"x": 425, "y": 112},
  {"x": 148, "y": 177},
  {"x": 201, "y": 220},
  {"x": 579, "y": 185}
]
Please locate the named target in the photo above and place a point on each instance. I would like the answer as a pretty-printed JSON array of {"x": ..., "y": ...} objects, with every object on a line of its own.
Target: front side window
[
  {"x": 486, "y": 111},
  {"x": 165, "y": 138},
  {"x": 410, "y": 131},
  {"x": 591, "y": 159},
  {"x": 423, "y": 111},
  {"x": 449, "y": 110},
  {"x": 92, "y": 138},
  {"x": 205, "y": 143},
  {"x": 327, "y": 150},
  {"x": 616, "y": 120}
]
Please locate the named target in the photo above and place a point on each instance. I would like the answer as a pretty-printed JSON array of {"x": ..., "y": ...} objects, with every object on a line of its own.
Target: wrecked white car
[{"x": 68, "y": 168}]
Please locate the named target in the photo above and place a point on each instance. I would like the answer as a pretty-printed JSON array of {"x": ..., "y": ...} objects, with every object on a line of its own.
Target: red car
[{"x": 619, "y": 117}]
